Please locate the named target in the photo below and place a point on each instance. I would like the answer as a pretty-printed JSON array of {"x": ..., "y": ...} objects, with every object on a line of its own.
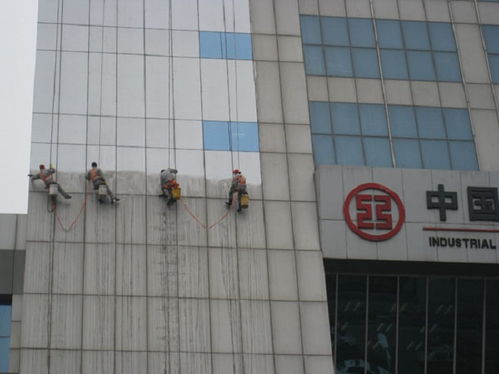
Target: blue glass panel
[
  {"x": 5, "y": 319},
  {"x": 402, "y": 121},
  {"x": 345, "y": 117},
  {"x": 389, "y": 34},
  {"x": 310, "y": 29},
  {"x": 216, "y": 136},
  {"x": 323, "y": 149},
  {"x": 239, "y": 46},
  {"x": 377, "y": 152},
  {"x": 365, "y": 63},
  {"x": 314, "y": 60},
  {"x": 457, "y": 123},
  {"x": 435, "y": 154},
  {"x": 320, "y": 117},
  {"x": 211, "y": 44},
  {"x": 494, "y": 67},
  {"x": 394, "y": 64},
  {"x": 430, "y": 123},
  {"x": 447, "y": 66},
  {"x": 373, "y": 119},
  {"x": 4, "y": 354},
  {"x": 349, "y": 150},
  {"x": 415, "y": 35},
  {"x": 491, "y": 36},
  {"x": 244, "y": 136},
  {"x": 463, "y": 156},
  {"x": 335, "y": 31},
  {"x": 407, "y": 154},
  {"x": 361, "y": 32},
  {"x": 441, "y": 36},
  {"x": 420, "y": 66},
  {"x": 338, "y": 61}
]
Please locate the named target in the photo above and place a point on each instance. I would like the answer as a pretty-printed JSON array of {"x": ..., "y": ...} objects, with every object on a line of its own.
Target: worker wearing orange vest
[
  {"x": 168, "y": 179},
  {"x": 238, "y": 184},
  {"x": 47, "y": 177},
  {"x": 96, "y": 176}
]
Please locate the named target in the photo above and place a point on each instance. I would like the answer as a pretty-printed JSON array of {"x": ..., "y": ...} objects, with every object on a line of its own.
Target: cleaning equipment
[
  {"x": 53, "y": 191},
  {"x": 244, "y": 201},
  {"x": 176, "y": 192},
  {"x": 102, "y": 193}
]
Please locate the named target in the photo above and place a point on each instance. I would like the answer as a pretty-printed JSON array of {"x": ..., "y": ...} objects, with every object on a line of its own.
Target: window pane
[
  {"x": 239, "y": 46},
  {"x": 389, "y": 34},
  {"x": 310, "y": 29},
  {"x": 441, "y": 36},
  {"x": 492, "y": 328},
  {"x": 334, "y": 31},
  {"x": 463, "y": 155},
  {"x": 211, "y": 44},
  {"x": 393, "y": 64},
  {"x": 415, "y": 35},
  {"x": 435, "y": 154},
  {"x": 314, "y": 60},
  {"x": 377, "y": 152},
  {"x": 365, "y": 62},
  {"x": 5, "y": 319},
  {"x": 440, "y": 326},
  {"x": 320, "y": 118},
  {"x": 4, "y": 354},
  {"x": 407, "y": 154},
  {"x": 494, "y": 67},
  {"x": 412, "y": 320},
  {"x": 457, "y": 123},
  {"x": 338, "y": 61},
  {"x": 349, "y": 150},
  {"x": 402, "y": 121},
  {"x": 244, "y": 136},
  {"x": 373, "y": 119},
  {"x": 430, "y": 123},
  {"x": 361, "y": 32},
  {"x": 420, "y": 66},
  {"x": 331, "y": 303},
  {"x": 447, "y": 66},
  {"x": 323, "y": 149},
  {"x": 491, "y": 36},
  {"x": 216, "y": 135},
  {"x": 382, "y": 322},
  {"x": 351, "y": 323},
  {"x": 345, "y": 118},
  {"x": 469, "y": 326}
]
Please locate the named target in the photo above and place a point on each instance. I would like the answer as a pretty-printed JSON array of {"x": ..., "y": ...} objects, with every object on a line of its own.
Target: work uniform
[
  {"x": 168, "y": 182},
  {"x": 96, "y": 176},
  {"x": 238, "y": 185},
  {"x": 47, "y": 177}
]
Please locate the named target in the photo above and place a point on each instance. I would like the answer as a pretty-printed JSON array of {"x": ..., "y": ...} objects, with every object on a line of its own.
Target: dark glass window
[
  {"x": 331, "y": 296},
  {"x": 5, "y": 327},
  {"x": 492, "y": 328},
  {"x": 491, "y": 36}
]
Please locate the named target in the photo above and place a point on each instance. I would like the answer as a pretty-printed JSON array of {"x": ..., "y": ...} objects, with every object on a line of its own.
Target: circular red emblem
[{"x": 374, "y": 218}]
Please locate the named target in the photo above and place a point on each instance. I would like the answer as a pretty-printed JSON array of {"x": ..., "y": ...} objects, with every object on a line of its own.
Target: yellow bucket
[
  {"x": 176, "y": 192},
  {"x": 244, "y": 201}
]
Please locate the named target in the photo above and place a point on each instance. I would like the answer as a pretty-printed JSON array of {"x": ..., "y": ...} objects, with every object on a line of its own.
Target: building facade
[{"x": 367, "y": 131}]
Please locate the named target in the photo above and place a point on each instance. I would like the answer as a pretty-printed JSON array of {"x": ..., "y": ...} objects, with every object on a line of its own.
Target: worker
[
  {"x": 47, "y": 177},
  {"x": 96, "y": 176},
  {"x": 238, "y": 185},
  {"x": 168, "y": 179}
]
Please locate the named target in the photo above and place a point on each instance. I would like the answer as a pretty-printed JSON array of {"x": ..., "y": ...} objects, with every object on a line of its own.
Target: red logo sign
[{"x": 373, "y": 203}]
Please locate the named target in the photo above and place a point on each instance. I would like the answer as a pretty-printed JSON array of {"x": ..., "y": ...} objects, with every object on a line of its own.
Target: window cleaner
[
  {"x": 47, "y": 177},
  {"x": 170, "y": 189},
  {"x": 238, "y": 186},
  {"x": 100, "y": 185}
]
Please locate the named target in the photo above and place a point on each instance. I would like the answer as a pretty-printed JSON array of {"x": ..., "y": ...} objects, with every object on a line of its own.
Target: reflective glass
[
  {"x": 407, "y": 154},
  {"x": 447, "y": 66},
  {"x": 335, "y": 31},
  {"x": 323, "y": 149},
  {"x": 211, "y": 44},
  {"x": 441, "y": 36},
  {"x": 394, "y": 64},
  {"x": 345, "y": 117},
  {"x": 320, "y": 118},
  {"x": 457, "y": 123},
  {"x": 463, "y": 155},
  {"x": 377, "y": 152},
  {"x": 415, "y": 35},
  {"x": 469, "y": 326},
  {"x": 492, "y": 327},
  {"x": 373, "y": 119},
  {"x": 435, "y": 154},
  {"x": 310, "y": 29},
  {"x": 402, "y": 121},
  {"x": 389, "y": 34},
  {"x": 491, "y": 36},
  {"x": 365, "y": 62},
  {"x": 338, "y": 61},
  {"x": 239, "y": 46},
  {"x": 361, "y": 32},
  {"x": 349, "y": 150},
  {"x": 494, "y": 68},
  {"x": 244, "y": 136},
  {"x": 314, "y": 60},
  {"x": 4, "y": 355},
  {"x": 420, "y": 66},
  {"x": 216, "y": 135},
  {"x": 430, "y": 122},
  {"x": 5, "y": 318}
]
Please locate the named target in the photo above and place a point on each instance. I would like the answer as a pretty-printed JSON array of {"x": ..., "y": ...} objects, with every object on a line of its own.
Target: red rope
[
  {"x": 73, "y": 223},
  {"x": 207, "y": 227}
]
